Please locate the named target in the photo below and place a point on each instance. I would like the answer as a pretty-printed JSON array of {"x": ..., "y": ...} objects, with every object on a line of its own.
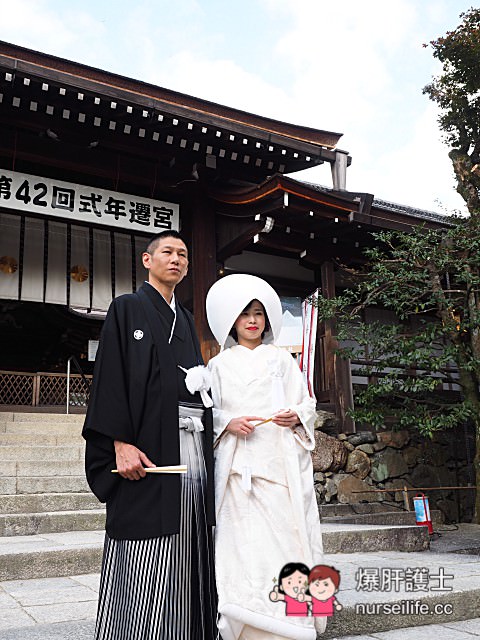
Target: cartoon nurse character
[
  {"x": 323, "y": 582},
  {"x": 292, "y": 583}
]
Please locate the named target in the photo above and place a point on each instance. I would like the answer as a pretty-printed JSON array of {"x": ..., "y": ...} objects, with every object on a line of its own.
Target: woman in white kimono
[{"x": 267, "y": 515}]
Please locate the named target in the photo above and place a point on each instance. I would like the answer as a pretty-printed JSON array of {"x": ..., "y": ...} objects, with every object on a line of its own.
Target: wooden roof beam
[
  {"x": 263, "y": 225},
  {"x": 383, "y": 222}
]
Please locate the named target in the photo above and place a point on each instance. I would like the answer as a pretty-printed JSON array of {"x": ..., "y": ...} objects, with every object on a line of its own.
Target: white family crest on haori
[
  {"x": 229, "y": 296},
  {"x": 138, "y": 334}
]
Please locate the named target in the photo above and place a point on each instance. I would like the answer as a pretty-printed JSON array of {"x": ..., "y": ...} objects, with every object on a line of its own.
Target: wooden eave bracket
[{"x": 262, "y": 224}]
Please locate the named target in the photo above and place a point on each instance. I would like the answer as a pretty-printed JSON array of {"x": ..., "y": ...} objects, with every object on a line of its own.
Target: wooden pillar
[
  {"x": 338, "y": 371},
  {"x": 199, "y": 229}
]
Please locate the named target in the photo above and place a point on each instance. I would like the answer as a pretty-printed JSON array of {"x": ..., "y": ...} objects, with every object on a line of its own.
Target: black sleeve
[
  {"x": 108, "y": 408},
  {"x": 108, "y": 416}
]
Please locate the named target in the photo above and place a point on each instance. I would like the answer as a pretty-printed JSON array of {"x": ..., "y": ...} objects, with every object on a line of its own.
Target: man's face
[
  {"x": 169, "y": 262},
  {"x": 322, "y": 589}
]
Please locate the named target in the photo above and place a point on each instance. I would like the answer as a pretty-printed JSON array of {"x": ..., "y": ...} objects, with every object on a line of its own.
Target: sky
[{"x": 355, "y": 67}]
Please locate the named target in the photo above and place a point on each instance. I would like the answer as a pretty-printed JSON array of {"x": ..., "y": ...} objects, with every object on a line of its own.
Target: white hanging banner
[
  {"x": 92, "y": 350},
  {"x": 75, "y": 202},
  {"x": 310, "y": 322}
]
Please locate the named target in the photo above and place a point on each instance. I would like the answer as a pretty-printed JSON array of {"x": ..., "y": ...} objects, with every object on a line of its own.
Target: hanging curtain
[
  {"x": 102, "y": 274},
  {"x": 32, "y": 282},
  {"x": 123, "y": 264},
  {"x": 79, "y": 268},
  {"x": 56, "y": 290},
  {"x": 9, "y": 255}
]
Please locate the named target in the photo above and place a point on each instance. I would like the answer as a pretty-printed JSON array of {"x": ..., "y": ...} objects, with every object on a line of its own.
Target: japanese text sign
[{"x": 74, "y": 202}]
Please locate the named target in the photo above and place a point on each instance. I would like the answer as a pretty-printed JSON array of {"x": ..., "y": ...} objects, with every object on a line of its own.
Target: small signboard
[{"x": 92, "y": 350}]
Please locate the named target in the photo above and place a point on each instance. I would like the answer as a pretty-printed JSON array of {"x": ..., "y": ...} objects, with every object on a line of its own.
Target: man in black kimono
[{"x": 157, "y": 573}]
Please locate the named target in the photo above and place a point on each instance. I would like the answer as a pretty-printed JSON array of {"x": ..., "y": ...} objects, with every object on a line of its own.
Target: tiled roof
[
  {"x": 394, "y": 207},
  {"x": 409, "y": 211}
]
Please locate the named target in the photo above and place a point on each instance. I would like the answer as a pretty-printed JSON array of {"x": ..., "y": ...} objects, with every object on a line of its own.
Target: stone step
[
  {"x": 50, "y": 555},
  {"x": 38, "y": 427},
  {"x": 50, "y": 484},
  {"x": 410, "y": 621},
  {"x": 42, "y": 468},
  {"x": 27, "y": 592},
  {"x": 357, "y": 538},
  {"x": 463, "y": 538},
  {"x": 42, "y": 439},
  {"x": 81, "y": 626},
  {"x": 74, "y": 552},
  {"x": 42, "y": 502},
  {"x": 41, "y": 452},
  {"x": 365, "y": 612},
  {"x": 386, "y": 518},
  {"x": 27, "y": 524},
  {"x": 8, "y": 486},
  {"x": 31, "y": 416},
  {"x": 340, "y": 509}
]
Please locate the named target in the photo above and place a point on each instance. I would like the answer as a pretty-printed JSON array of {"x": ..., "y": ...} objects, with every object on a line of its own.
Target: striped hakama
[{"x": 164, "y": 588}]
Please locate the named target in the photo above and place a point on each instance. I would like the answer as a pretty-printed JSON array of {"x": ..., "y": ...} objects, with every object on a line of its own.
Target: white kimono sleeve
[
  {"x": 221, "y": 418},
  {"x": 299, "y": 400}
]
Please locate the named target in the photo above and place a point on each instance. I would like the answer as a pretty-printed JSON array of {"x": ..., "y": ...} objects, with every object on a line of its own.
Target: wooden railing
[{"x": 41, "y": 389}]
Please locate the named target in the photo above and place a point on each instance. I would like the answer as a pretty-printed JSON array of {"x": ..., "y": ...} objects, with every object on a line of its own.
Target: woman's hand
[
  {"x": 131, "y": 462},
  {"x": 242, "y": 426},
  {"x": 286, "y": 418}
]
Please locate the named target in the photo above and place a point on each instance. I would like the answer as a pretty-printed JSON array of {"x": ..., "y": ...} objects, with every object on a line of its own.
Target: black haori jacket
[{"x": 134, "y": 398}]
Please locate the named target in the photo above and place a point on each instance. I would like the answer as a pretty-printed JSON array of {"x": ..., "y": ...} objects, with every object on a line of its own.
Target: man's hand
[
  {"x": 131, "y": 462},
  {"x": 242, "y": 426}
]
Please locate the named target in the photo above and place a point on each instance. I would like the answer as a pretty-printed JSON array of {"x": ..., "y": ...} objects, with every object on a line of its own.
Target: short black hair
[
  {"x": 152, "y": 244},
  {"x": 289, "y": 569}
]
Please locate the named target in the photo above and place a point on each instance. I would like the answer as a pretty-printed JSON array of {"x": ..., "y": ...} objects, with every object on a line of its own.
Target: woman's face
[
  {"x": 250, "y": 325},
  {"x": 294, "y": 584}
]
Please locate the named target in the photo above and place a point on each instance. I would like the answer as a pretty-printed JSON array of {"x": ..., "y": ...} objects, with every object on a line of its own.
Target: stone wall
[{"x": 348, "y": 468}]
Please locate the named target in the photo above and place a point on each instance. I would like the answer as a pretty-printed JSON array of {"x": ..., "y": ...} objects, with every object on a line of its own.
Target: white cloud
[
  {"x": 222, "y": 81},
  {"x": 70, "y": 33},
  {"x": 349, "y": 66},
  {"x": 359, "y": 68},
  {"x": 418, "y": 173}
]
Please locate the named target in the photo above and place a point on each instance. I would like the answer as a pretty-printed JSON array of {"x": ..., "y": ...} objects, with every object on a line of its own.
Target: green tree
[
  {"x": 457, "y": 92},
  {"x": 430, "y": 279}
]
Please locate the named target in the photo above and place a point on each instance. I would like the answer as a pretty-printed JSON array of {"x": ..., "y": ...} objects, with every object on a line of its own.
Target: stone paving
[
  {"x": 466, "y": 630},
  {"x": 27, "y": 603},
  {"x": 37, "y": 604},
  {"x": 461, "y": 592},
  {"x": 63, "y": 608}
]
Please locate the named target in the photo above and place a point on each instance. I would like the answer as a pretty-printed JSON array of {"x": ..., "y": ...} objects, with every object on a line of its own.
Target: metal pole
[{"x": 68, "y": 383}]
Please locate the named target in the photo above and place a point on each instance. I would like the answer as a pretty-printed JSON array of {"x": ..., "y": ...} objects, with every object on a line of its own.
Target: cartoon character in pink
[
  {"x": 323, "y": 582},
  {"x": 292, "y": 583}
]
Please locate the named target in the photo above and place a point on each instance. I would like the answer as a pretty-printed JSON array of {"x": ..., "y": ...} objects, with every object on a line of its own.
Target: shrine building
[{"x": 92, "y": 164}]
